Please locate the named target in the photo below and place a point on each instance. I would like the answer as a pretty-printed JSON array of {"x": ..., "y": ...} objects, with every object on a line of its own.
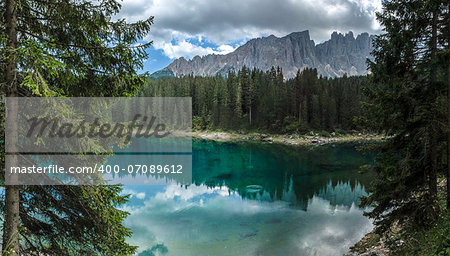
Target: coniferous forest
[{"x": 257, "y": 100}]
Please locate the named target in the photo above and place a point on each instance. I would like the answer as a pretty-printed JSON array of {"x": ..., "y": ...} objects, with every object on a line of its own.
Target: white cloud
[
  {"x": 224, "y": 49},
  {"x": 140, "y": 195},
  {"x": 189, "y": 50},
  {"x": 193, "y": 191},
  {"x": 222, "y": 22}
]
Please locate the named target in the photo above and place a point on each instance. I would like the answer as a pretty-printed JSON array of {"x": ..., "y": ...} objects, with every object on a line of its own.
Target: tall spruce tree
[
  {"x": 67, "y": 48},
  {"x": 270, "y": 103},
  {"x": 406, "y": 99}
]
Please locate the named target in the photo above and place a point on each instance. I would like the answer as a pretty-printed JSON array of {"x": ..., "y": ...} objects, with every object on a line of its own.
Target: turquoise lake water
[{"x": 255, "y": 199}]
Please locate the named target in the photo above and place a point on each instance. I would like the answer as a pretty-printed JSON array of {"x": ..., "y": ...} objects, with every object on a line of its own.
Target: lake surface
[{"x": 255, "y": 199}]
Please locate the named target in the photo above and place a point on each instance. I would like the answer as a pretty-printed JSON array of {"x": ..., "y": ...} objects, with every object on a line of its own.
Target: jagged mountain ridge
[{"x": 342, "y": 54}]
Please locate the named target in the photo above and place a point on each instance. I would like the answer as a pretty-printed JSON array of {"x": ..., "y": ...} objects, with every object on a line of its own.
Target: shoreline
[
  {"x": 360, "y": 248},
  {"x": 286, "y": 139}
]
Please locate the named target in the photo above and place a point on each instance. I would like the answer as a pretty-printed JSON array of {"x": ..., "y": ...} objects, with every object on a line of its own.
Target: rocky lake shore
[{"x": 287, "y": 139}]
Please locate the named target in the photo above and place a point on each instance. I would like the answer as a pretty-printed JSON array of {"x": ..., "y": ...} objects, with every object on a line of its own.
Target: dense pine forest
[{"x": 257, "y": 100}]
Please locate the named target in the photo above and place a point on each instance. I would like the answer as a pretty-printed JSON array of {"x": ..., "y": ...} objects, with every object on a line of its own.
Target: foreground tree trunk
[
  {"x": 448, "y": 140},
  {"x": 10, "y": 243},
  {"x": 432, "y": 178}
]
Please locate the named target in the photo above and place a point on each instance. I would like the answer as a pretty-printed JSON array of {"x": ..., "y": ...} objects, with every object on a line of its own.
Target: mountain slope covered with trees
[{"x": 257, "y": 100}]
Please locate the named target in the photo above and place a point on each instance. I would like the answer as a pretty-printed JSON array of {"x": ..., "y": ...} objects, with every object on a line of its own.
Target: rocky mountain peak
[
  {"x": 302, "y": 34},
  {"x": 342, "y": 54}
]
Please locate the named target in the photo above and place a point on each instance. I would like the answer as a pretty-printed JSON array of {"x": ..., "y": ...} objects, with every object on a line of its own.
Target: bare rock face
[{"x": 342, "y": 54}]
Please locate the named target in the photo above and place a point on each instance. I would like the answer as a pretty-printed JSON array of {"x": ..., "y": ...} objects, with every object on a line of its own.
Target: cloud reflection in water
[{"x": 202, "y": 220}]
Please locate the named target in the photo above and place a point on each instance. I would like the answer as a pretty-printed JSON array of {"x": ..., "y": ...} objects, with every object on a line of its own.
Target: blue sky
[
  {"x": 186, "y": 28},
  {"x": 156, "y": 61},
  {"x": 159, "y": 58}
]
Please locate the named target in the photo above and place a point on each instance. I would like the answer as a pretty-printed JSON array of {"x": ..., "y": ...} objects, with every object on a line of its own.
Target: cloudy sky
[{"x": 185, "y": 28}]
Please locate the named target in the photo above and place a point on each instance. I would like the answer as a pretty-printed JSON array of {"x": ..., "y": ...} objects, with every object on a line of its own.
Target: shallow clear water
[{"x": 255, "y": 199}]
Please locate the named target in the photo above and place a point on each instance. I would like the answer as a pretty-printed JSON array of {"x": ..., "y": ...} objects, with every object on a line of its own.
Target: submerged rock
[{"x": 249, "y": 235}]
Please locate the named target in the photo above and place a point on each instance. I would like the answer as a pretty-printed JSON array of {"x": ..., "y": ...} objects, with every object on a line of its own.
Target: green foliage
[
  {"x": 252, "y": 99},
  {"x": 54, "y": 223},
  {"x": 428, "y": 241},
  {"x": 405, "y": 99},
  {"x": 75, "y": 48},
  {"x": 431, "y": 241},
  {"x": 72, "y": 48}
]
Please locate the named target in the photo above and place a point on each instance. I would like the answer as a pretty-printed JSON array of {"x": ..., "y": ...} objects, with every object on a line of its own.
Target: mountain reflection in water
[{"x": 255, "y": 199}]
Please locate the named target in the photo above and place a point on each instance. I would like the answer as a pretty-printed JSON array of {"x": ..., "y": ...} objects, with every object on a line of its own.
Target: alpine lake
[{"x": 253, "y": 198}]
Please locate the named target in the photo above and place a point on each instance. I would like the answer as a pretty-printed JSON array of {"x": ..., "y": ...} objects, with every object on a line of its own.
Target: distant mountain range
[{"x": 342, "y": 54}]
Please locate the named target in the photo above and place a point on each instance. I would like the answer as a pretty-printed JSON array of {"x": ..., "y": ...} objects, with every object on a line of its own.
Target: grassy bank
[{"x": 401, "y": 239}]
